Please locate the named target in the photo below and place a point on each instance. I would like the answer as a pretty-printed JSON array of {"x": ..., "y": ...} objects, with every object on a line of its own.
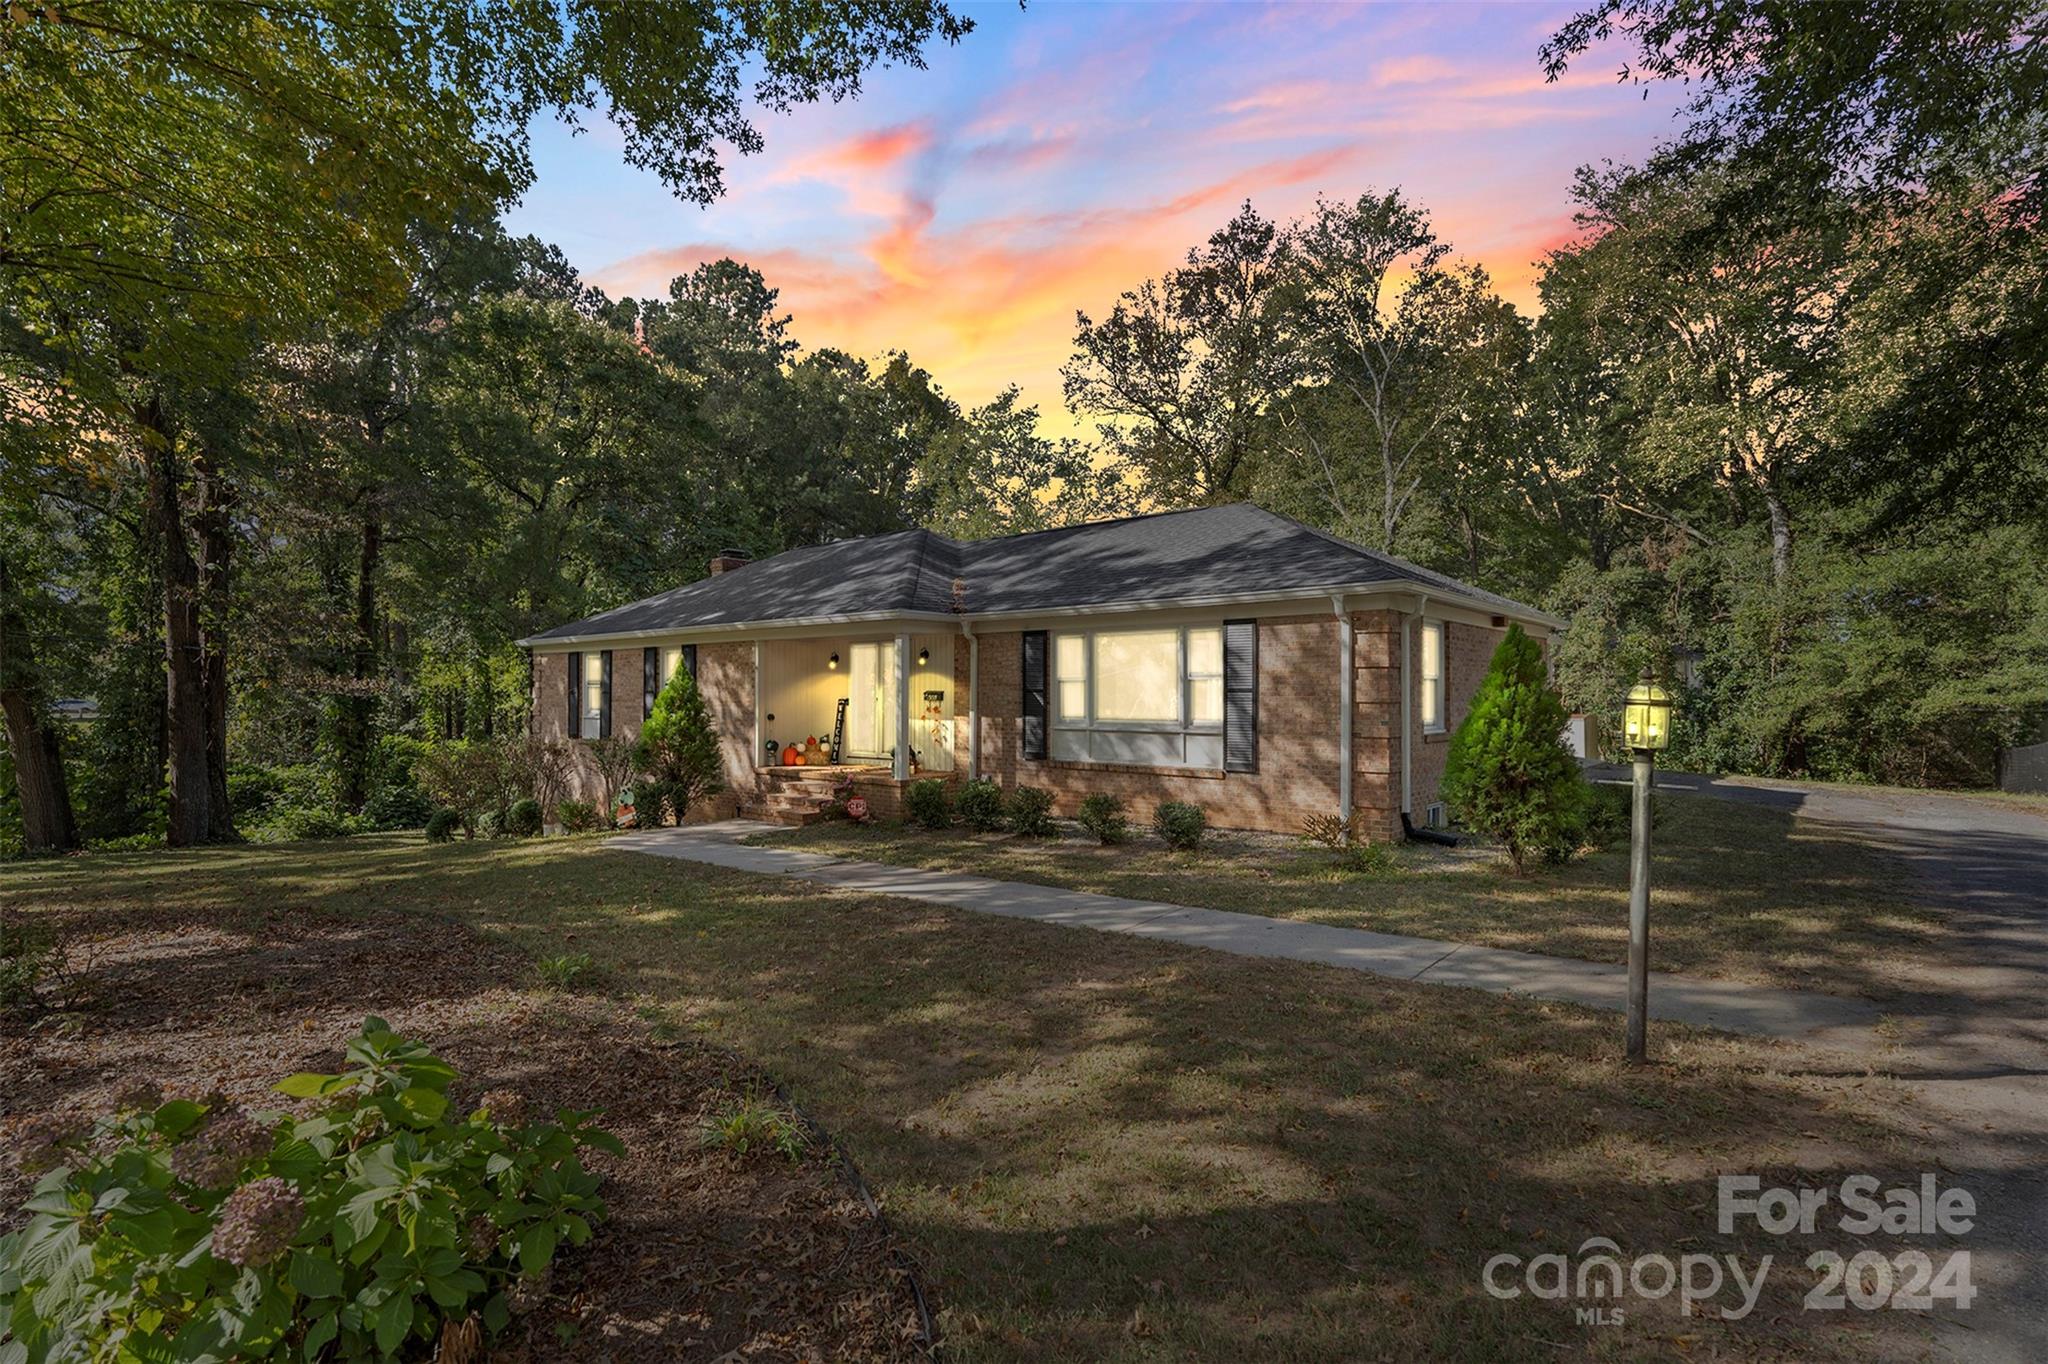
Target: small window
[
  {"x": 1432, "y": 677},
  {"x": 593, "y": 692},
  {"x": 1137, "y": 677},
  {"x": 1205, "y": 677},
  {"x": 671, "y": 659},
  {"x": 1070, "y": 675}
]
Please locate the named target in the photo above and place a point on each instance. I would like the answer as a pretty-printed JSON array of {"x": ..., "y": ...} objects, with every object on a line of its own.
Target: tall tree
[
  {"x": 186, "y": 184},
  {"x": 1182, "y": 370}
]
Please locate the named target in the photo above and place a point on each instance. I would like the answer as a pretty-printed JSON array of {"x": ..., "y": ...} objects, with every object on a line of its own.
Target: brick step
[{"x": 791, "y": 817}]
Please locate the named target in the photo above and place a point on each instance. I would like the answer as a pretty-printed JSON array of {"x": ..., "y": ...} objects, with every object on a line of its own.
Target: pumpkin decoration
[
  {"x": 792, "y": 757},
  {"x": 811, "y": 753}
]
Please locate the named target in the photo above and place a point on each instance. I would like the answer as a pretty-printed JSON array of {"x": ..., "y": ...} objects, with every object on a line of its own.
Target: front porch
[
  {"x": 840, "y": 702},
  {"x": 796, "y": 796}
]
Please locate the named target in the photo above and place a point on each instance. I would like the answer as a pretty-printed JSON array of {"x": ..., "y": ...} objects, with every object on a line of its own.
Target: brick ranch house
[{"x": 1227, "y": 656}]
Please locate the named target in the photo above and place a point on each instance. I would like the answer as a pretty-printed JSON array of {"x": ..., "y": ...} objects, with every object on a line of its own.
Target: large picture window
[
  {"x": 1151, "y": 697},
  {"x": 1432, "y": 677}
]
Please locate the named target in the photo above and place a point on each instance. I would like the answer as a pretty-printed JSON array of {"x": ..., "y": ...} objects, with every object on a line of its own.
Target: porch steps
[{"x": 792, "y": 796}]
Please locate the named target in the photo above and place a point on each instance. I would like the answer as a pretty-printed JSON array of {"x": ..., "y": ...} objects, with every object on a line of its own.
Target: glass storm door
[{"x": 871, "y": 700}]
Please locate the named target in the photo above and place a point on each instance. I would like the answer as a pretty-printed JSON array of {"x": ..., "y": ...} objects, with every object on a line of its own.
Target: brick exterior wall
[
  {"x": 1467, "y": 651},
  {"x": 1298, "y": 745},
  {"x": 725, "y": 673},
  {"x": 1298, "y": 726}
]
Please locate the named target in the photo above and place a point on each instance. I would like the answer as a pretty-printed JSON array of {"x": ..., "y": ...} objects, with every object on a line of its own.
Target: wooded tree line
[
  {"x": 1780, "y": 425},
  {"x": 298, "y": 439}
]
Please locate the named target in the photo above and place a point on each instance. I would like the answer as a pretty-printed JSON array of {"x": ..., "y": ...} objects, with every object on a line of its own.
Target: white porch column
[
  {"x": 902, "y": 768},
  {"x": 754, "y": 752},
  {"x": 973, "y": 702},
  {"x": 1346, "y": 664}
]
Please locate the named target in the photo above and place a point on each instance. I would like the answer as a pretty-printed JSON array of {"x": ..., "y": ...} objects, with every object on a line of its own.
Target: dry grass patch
[
  {"x": 1111, "y": 1149},
  {"x": 1742, "y": 892}
]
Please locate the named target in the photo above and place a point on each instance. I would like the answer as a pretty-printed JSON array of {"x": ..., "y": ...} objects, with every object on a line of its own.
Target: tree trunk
[
  {"x": 188, "y": 728},
  {"x": 359, "y": 706},
  {"x": 1781, "y": 535},
  {"x": 217, "y": 545},
  {"x": 47, "y": 822}
]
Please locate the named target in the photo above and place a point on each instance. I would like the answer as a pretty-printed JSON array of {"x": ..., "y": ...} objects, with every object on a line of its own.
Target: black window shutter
[
  {"x": 1033, "y": 651},
  {"x": 1240, "y": 696},
  {"x": 650, "y": 679},
  {"x": 604, "y": 695},
  {"x": 575, "y": 729},
  {"x": 690, "y": 660}
]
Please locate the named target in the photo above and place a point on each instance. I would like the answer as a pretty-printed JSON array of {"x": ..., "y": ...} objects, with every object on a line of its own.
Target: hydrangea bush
[{"x": 187, "y": 1230}]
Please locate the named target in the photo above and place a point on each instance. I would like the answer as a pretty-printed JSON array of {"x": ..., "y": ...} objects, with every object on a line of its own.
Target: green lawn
[
  {"x": 1740, "y": 892},
  {"x": 1112, "y": 1149}
]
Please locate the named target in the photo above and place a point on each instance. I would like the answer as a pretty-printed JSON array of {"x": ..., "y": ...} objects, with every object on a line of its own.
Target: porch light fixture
[
  {"x": 1646, "y": 728},
  {"x": 833, "y": 662},
  {"x": 924, "y": 656}
]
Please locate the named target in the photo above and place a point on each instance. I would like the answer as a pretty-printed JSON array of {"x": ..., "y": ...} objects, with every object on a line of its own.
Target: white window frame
[
  {"x": 1182, "y": 723},
  {"x": 1433, "y": 692}
]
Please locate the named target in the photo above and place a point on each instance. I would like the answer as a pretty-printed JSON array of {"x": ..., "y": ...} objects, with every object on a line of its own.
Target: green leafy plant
[
  {"x": 32, "y": 973},
  {"x": 928, "y": 805},
  {"x": 678, "y": 748},
  {"x": 981, "y": 806},
  {"x": 1180, "y": 824},
  {"x": 523, "y": 819},
  {"x": 1103, "y": 815},
  {"x": 442, "y": 824},
  {"x": 397, "y": 807},
  {"x": 1366, "y": 856},
  {"x": 1030, "y": 812},
  {"x": 757, "y": 1124},
  {"x": 197, "y": 1230},
  {"x": 1508, "y": 773},
  {"x": 576, "y": 816},
  {"x": 562, "y": 972}
]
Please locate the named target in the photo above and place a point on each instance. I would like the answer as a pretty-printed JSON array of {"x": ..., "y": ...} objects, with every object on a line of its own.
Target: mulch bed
[{"x": 706, "y": 1255}]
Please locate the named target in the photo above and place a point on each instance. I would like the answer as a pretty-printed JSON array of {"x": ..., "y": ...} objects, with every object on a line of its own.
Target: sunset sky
[{"x": 1064, "y": 153}]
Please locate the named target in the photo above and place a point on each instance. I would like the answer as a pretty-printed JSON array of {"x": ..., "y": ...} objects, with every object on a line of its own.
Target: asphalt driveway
[{"x": 1973, "y": 1029}]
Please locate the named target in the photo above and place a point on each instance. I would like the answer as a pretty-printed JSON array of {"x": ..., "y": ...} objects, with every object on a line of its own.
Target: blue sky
[{"x": 1064, "y": 153}]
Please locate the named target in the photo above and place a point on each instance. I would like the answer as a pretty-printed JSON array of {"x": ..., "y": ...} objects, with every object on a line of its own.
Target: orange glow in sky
[{"x": 1064, "y": 154}]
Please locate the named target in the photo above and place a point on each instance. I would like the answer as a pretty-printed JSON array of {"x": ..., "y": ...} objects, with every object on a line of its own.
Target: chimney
[{"x": 726, "y": 560}]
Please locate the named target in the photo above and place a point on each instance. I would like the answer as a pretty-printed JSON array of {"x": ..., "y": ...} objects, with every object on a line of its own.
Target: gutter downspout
[
  {"x": 1344, "y": 710},
  {"x": 973, "y": 700}
]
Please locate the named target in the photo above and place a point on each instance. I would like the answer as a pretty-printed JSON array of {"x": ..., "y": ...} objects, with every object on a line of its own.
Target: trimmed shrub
[
  {"x": 678, "y": 748},
  {"x": 1103, "y": 815},
  {"x": 928, "y": 805},
  {"x": 217, "y": 1232},
  {"x": 442, "y": 824},
  {"x": 576, "y": 816},
  {"x": 523, "y": 819},
  {"x": 1508, "y": 773},
  {"x": 1180, "y": 824},
  {"x": 1030, "y": 812},
  {"x": 981, "y": 806}
]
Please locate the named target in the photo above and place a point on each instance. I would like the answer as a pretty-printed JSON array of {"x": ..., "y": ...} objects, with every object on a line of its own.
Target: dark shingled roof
[{"x": 1232, "y": 551}]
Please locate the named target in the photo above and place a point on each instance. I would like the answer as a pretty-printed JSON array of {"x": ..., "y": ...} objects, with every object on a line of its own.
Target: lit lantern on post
[{"x": 1646, "y": 728}]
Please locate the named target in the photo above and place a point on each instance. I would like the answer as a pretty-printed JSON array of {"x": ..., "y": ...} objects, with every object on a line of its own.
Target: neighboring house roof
[{"x": 1239, "y": 551}]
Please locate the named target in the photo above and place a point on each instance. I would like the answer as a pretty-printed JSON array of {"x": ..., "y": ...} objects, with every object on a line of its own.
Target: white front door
[{"x": 871, "y": 701}]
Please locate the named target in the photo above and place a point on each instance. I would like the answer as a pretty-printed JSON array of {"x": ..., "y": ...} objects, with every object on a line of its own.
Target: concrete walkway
[{"x": 1679, "y": 999}]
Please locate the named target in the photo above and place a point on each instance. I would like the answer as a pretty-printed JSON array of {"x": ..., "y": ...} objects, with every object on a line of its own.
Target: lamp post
[{"x": 1646, "y": 727}]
